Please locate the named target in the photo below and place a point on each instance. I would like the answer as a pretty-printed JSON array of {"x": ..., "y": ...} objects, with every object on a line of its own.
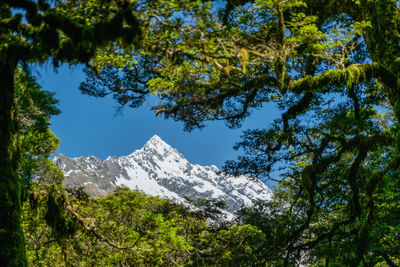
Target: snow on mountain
[{"x": 157, "y": 169}]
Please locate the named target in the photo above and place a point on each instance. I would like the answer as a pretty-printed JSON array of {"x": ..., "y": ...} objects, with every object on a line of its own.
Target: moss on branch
[{"x": 356, "y": 73}]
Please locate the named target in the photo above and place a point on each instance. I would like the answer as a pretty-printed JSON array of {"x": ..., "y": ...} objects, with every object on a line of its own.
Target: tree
[
  {"x": 34, "y": 31},
  {"x": 332, "y": 67},
  {"x": 34, "y": 108},
  {"x": 125, "y": 228},
  {"x": 129, "y": 228}
]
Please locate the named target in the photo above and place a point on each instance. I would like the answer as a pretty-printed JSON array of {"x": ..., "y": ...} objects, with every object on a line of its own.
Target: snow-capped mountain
[{"x": 157, "y": 169}]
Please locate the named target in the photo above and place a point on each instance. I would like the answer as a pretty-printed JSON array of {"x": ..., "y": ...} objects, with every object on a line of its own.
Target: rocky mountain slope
[{"x": 157, "y": 169}]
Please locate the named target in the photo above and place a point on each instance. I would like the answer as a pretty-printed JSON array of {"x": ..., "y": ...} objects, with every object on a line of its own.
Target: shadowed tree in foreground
[{"x": 35, "y": 31}]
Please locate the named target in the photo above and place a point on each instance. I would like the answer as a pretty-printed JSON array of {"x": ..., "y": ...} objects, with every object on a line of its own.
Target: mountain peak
[
  {"x": 155, "y": 142},
  {"x": 157, "y": 146},
  {"x": 155, "y": 139},
  {"x": 160, "y": 170}
]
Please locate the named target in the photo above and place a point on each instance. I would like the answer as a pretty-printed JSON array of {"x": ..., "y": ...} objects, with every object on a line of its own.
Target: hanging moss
[{"x": 56, "y": 217}]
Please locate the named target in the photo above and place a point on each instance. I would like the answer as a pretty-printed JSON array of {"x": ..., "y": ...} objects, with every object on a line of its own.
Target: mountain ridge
[{"x": 158, "y": 169}]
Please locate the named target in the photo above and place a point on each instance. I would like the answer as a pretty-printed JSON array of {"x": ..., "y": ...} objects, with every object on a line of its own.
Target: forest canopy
[{"x": 330, "y": 66}]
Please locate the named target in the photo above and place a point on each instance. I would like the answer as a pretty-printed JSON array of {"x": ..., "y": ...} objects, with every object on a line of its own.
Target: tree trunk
[{"x": 12, "y": 245}]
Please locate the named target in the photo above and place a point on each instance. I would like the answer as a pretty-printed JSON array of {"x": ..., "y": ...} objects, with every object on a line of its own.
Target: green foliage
[
  {"x": 236, "y": 246},
  {"x": 34, "y": 143},
  {"x": 35, "y": 31},
  {"x": 128, "y": 228},
  {"x": 34, "y": 108},
  {"x": 332, "y": 68}
]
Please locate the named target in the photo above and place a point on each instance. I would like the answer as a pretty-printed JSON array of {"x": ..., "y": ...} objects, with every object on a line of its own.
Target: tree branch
[{"x": 356, "y": 73}]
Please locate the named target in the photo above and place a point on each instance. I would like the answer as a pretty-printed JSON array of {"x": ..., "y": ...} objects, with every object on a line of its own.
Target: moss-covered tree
[
  {"x": 35, "y": 31},
  {"x": 332, "y": 67}
]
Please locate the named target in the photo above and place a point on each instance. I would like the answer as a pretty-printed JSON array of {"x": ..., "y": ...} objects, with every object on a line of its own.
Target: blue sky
[{"x": 91, "y": 126}]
